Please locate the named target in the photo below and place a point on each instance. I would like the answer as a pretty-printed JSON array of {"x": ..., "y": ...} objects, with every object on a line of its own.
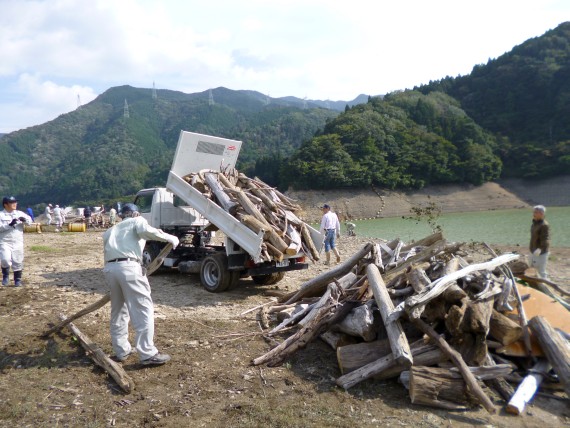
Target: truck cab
[{"x": 181, "y": 210}]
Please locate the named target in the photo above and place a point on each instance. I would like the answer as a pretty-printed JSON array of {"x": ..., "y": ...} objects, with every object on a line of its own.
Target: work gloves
[
  {"x": 536, "y": 252},
  {"x": 174, "y": 241},
  {"x": 22, "y": 219},
  {"x": 13, "y": 222}
]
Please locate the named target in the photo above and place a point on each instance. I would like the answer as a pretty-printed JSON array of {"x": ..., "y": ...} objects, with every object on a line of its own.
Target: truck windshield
[{"x": 144, "y": 202}]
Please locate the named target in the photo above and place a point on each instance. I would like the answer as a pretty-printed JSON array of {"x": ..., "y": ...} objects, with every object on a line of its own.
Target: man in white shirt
[
  {"x": 129, "y": 288},
  {"x": 12, "y": 240},
  {"x": 330, "y": 226}
]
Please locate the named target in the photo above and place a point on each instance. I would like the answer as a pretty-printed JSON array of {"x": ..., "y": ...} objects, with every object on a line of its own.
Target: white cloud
[{"x": 316, "y": 48}]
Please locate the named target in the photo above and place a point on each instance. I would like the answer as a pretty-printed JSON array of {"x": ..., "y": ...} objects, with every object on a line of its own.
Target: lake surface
[{"x": 508, "y": 227}]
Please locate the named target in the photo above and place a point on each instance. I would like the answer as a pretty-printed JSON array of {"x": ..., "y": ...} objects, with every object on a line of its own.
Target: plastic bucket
[
  {"x": 33, "y": 228},
  {"x": 76, "y": 227}
]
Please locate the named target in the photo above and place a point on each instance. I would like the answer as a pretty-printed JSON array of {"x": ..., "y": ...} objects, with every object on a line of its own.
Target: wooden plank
[
  {"x": 555, "y": 348},
  {"x": 95, "y": 352}
]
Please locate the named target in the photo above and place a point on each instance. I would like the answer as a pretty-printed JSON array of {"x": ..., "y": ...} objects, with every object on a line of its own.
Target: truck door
[{"x": 149, "y": 210}]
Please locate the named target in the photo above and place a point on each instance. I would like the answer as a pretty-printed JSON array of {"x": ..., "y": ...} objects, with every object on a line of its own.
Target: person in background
[
  {"x": 539, "y": 240},
  {"x": 350, "y": 228},
  {"x": 87, "y": 215},
  {"x": 48, "y": 212},
  {"x": 57, "y": 217},
  {"x": 112, "y": 216},
  {"x": 330, "y": 226},
  {"x": 129, "y": 287},
  {"x": 12, "y": 240},
  {"x": 30, "y": 212}
]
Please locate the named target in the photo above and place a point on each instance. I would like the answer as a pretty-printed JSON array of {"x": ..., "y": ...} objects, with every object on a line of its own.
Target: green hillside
[
  {"x": 95, "y": 153},
  {"x": 524, "y": 98},
  {"x": 508, "y": 117}
]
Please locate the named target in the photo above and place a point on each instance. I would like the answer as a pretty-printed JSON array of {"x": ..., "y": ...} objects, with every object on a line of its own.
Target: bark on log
[
  {"x": 92, "y": 307},
  {"x": 333, "y": 288},
  {"x": 98, "y": 356},
  {"x": 499, "y": 383},
  {"x": 418, "y": 279},
  {"x": 224, "y": 200},
  {"x": 398, "y": 341},
  {"x": 503, "y": 329},
  {"x": 555, "y": 348},
  {"x": 316, "y": 285},
  {"x": 437, "y": 387},
  {"x": 295, "y": 245},
  {"x": 383, "y": 367},
  {"x": 327, "y": 316},
  {"x": 456, "y": 358},
  {"x": 269, "y": 233},
  {"x": 250, "y": 208},
  {"x": 309, "y": 242},
  {"x": 527, "y": 388},
  {"x": 454, "y": 293},
  {"x": 335, "y": 339},
  {"x": 360, "y": 323},
  {"x": 440, "y": 285}
]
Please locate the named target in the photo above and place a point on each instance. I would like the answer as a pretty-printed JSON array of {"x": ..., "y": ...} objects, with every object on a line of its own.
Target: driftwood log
[
  {"x": 101, "y": 359},
  {"x": 556, "y": 349},
  {"x": 439, "y": 387},
  {"x": 92, "y": 307},
  {"x": 317, "y": 285},
  {"x": 456, "y": 358},
  {"x": 504, "y": 329},
  {"x": 398, "y": 341},
  {"x": 383, "y": 367}
]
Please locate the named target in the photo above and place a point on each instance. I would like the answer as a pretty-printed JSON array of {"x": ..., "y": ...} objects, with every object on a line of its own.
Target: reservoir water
[{"x": 508, "y": 227}]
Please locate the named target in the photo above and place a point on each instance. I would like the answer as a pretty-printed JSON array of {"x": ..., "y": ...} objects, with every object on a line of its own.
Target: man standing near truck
[
  {"x": 331, "y": 228},
  {"x": 129, "y": 287}
]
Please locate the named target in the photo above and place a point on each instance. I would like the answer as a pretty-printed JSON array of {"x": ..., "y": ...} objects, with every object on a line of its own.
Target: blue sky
[{"x": 54, "y": 51}]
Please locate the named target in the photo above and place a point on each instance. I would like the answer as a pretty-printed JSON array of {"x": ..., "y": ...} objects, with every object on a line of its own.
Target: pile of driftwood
[
  {"x": 424, "y": 313},
  {"x": 261, "y": 208}
]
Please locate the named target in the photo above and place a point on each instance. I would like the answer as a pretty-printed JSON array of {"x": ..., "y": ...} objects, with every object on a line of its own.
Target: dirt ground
[{"x": 210, "y": 381}]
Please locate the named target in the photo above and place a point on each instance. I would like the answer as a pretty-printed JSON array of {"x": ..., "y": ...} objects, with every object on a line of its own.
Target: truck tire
[
  {"x": 269, "y": 279},
  {"x": 214, "y": 273},
  {"x": 150, "y": 252}
]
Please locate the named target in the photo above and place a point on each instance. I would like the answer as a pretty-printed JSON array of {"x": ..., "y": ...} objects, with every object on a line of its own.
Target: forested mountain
[
  {"x": 405, "y": 140},
  {"x": 96, "y": 153},
  {"x": 508, "y": 117},
  {"x": 524, "y": 98}
]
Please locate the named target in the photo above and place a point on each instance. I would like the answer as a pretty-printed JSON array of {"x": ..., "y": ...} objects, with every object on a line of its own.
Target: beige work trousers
[{"x": 130, "y": 300}]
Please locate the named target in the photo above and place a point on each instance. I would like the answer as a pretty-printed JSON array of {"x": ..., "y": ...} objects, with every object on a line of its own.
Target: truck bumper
[{"x": 266, "y": 270}]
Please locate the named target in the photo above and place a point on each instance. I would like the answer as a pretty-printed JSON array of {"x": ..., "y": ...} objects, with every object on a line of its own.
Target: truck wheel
[
  {"x": 150, "y": 252},
  {"x": 269, "y": 279},
  {"x": 214, "y": 273}
]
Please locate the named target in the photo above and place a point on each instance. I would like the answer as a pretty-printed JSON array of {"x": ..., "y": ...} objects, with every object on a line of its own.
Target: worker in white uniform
[
  {"x": 12, "y": 240},
  {"x": 48, "y": 212},
  {"x": 57, "y": 216},
  {"x": 129, "y": 287},
  {"x": 330, "y": 226}
]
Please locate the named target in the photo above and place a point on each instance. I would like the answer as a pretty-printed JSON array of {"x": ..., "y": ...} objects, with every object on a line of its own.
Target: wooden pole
[
  {"x": 95, "y": 352},
  {"x": 92, "y": 307},
  {"x": 396, "y": 336},
  {"x": 555, "y": 348}
]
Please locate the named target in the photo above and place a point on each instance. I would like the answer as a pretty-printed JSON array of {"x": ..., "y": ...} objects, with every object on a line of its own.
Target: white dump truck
[{"x": 183, "y": 211}]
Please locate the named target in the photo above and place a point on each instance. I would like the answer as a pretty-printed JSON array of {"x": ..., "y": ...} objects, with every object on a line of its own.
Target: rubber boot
[
  {"x": 18, "y": 278},
  {"x": 5, "y": 276},
  {"x": 328, "y": 261},
  {"x": 336, "y": 253}
]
